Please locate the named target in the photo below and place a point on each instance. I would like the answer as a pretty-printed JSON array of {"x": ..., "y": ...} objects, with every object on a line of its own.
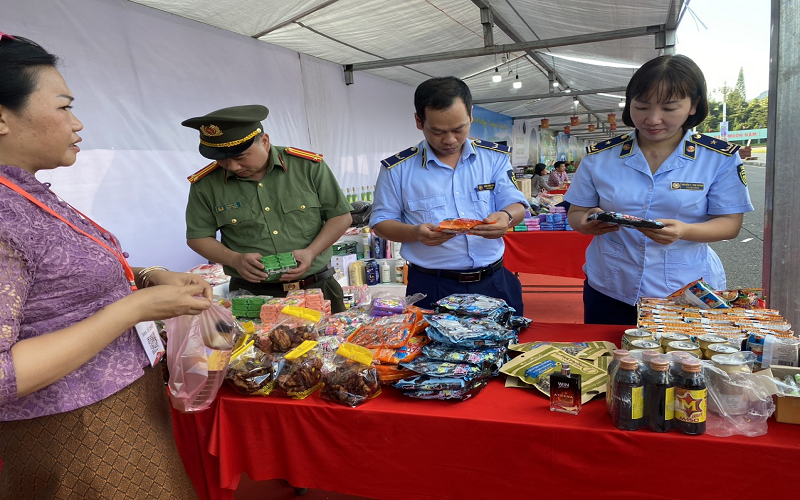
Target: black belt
[
  {"x": 261, "y": 288},
  {"x": 468, "y": 276}
]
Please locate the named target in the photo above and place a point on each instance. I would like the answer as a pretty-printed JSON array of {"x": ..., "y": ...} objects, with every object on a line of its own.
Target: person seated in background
[
  {"x": 539, "y": 179},
  {"x": 558, "y": 178}
]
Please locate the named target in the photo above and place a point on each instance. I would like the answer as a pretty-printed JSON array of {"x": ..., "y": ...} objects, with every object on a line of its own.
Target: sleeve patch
[{"x": 742, "y": 174}]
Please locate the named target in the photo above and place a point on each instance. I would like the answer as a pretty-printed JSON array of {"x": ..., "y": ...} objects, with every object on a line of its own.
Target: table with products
[
  {"x": 552, "y": 253},
  {"x": 503, "y": 443}
]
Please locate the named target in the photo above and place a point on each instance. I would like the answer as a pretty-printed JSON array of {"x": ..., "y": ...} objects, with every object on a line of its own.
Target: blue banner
[{"x": 490, "y": 126}]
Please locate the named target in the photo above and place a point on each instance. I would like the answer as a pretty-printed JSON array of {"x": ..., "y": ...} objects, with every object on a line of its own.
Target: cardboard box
[
  {"x": 787, "y": 407},
  {"x": 342, "y": 263},
  {"x": 524, "y": 185},
  {"x": 345, "y": 247}
]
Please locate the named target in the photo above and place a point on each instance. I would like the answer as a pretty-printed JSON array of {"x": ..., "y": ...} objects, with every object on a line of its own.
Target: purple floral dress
[{"x": 50, "y": 278}]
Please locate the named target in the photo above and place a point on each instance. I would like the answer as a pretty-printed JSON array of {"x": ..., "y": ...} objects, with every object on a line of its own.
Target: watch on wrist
[{"x": 510, "y": 217}]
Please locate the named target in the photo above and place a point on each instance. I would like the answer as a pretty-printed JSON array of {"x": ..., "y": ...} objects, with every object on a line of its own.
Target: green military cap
[{"x": 228, "y": 131}]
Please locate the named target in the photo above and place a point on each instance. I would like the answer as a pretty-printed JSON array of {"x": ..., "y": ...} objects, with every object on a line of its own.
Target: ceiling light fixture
[
  {"x": 497, "y": 77},
  {"x": 622, "y": 103},
  {"x": 555, "y": 85},
  {"x": 517, "y": 83}
]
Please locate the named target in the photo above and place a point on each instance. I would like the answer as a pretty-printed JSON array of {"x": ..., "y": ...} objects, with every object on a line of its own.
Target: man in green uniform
[{"x": 264, "y": 200}]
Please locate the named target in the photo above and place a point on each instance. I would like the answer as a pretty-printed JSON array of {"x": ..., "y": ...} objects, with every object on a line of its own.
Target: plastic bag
[
  {"x": 293, "y": 326},
  {"x": 252, "y": 371},
  {"x": 198, "y": 351},
  {"x": 301, "y": 373},
  {"x": 348, "y": 376},
  {"x": 738, "y": 403},
  {"x": 473, "y": 304}
]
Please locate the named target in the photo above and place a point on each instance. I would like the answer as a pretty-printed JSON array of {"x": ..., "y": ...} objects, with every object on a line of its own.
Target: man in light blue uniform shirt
[{"x": 449, "y": 176}]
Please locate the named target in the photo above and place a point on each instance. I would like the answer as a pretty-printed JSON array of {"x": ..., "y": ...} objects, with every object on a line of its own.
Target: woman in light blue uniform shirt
[{"x": 694, "y": 184}]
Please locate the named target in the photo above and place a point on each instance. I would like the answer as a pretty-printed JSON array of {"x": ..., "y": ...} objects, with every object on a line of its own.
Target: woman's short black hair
[
  {"x": 440, "y": 93},
  {"x": 539, "y": 168},
  {"x": 665, "y": 77},
  {"x": 21, "y": 60}
]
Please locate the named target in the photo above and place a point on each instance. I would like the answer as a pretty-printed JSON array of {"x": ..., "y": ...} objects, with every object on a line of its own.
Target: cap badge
[{"x": 210, "y": 131}]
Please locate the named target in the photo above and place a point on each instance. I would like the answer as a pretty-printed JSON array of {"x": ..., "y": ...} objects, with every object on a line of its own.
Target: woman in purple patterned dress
[{"x": 82, "y": 414}]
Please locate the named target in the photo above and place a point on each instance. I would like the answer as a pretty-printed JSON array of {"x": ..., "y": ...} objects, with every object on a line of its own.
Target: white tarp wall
[{"x": 137, "y": 73}]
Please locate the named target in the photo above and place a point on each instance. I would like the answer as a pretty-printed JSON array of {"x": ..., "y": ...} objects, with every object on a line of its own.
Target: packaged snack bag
[
  {"x": 301, "y": 373},
  {"x": 348, "y": 376}
]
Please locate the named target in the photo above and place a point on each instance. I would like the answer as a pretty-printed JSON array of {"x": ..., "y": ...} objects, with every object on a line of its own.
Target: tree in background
[{"x": 741, "y": 114}]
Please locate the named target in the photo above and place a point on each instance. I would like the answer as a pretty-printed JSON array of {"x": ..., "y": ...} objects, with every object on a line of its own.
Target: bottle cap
[
  {"x": 647, "y": 356},
  {"x": 628, "y": 363},
  {"x": 691, "y": 366},
  {"x": 659, "y": 365},
  {"x": 620, "y": 353}
]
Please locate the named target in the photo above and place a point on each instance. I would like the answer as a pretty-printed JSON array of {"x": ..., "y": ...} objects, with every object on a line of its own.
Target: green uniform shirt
[{"x": 282, "y": 212}]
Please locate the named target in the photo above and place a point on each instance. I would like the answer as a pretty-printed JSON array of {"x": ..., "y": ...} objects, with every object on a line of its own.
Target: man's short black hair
[
  {"x": 558, "y": 164},
  {"x": 440, "y": 93}
]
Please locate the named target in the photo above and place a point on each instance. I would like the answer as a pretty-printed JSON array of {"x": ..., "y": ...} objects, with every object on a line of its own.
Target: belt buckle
[
  {"x": 469, "y": 277},
  {"x": 294, "y": 285}
]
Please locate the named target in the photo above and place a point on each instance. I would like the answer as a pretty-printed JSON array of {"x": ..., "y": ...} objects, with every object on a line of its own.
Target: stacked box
[
  {"x": 272, "y": 308},
  {"x": 276, "y": 265},
  {"x": 247, "y": 306},
  {"x": 345, "y": 248},
  {"x": 342, "y": 263},
  {"x": 314, "y": 299},
  {"x": 524, "y": 185}
]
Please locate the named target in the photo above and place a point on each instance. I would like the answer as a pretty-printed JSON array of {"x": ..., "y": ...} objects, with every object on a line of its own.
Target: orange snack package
[{"x": 459, "y": 226}]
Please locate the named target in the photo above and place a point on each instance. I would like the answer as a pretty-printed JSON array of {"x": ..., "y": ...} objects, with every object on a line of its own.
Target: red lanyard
[{"x": 117, "y": 253}]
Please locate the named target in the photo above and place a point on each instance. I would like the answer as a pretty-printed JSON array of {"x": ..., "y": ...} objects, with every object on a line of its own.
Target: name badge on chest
[
  {"x": 229, "y": 206},
  {"x": 485, "y": 187},
  {"x": 691, "y": 186}
]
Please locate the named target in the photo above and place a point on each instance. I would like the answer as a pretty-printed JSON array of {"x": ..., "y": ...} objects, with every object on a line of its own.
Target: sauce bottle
[
  {"x": 627, "y": 410},
  {"x": 659, "y": 396},
  {"x": 612, "y": 370},
  {"x": 691, "y": 399}
]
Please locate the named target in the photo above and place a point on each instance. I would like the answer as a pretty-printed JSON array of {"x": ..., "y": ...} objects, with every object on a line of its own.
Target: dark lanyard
[{"x": 116, "y": 253}]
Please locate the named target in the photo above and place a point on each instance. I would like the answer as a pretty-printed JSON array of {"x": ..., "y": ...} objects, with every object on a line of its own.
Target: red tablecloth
[
  {"x": 504, "y": 443},
  {"x": 566, "y": 251}
]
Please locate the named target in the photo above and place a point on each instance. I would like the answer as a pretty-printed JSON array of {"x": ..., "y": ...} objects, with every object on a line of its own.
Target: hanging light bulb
[
  {"x": 517, "y": 83},
  {"x": 555, "y": 84},
  {"x": 567, "y": 90},
  {"x": 622, "y": 103},
  {"x": 497, "y": 77}
]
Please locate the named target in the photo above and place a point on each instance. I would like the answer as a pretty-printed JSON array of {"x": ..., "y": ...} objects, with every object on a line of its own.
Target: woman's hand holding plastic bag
[{"x": 198, "y": 350}]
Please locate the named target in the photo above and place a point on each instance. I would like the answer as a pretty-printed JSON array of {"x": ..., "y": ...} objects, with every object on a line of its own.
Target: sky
[{"x": 737, "y": 36}]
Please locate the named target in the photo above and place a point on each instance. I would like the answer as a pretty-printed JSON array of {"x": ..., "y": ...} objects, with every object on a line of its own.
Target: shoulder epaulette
[
  {"x": 714, "y": 144},
  {"x": 308, "y": 155},
  {"x": 500, "y": 148},
  {"x": 608, "y": 144},
  {"x": 400, "y": 157},
  {"x": 203, "y": 172}
]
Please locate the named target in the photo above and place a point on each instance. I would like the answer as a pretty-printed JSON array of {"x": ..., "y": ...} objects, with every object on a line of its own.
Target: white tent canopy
[{"x": 362, "y": 31}]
